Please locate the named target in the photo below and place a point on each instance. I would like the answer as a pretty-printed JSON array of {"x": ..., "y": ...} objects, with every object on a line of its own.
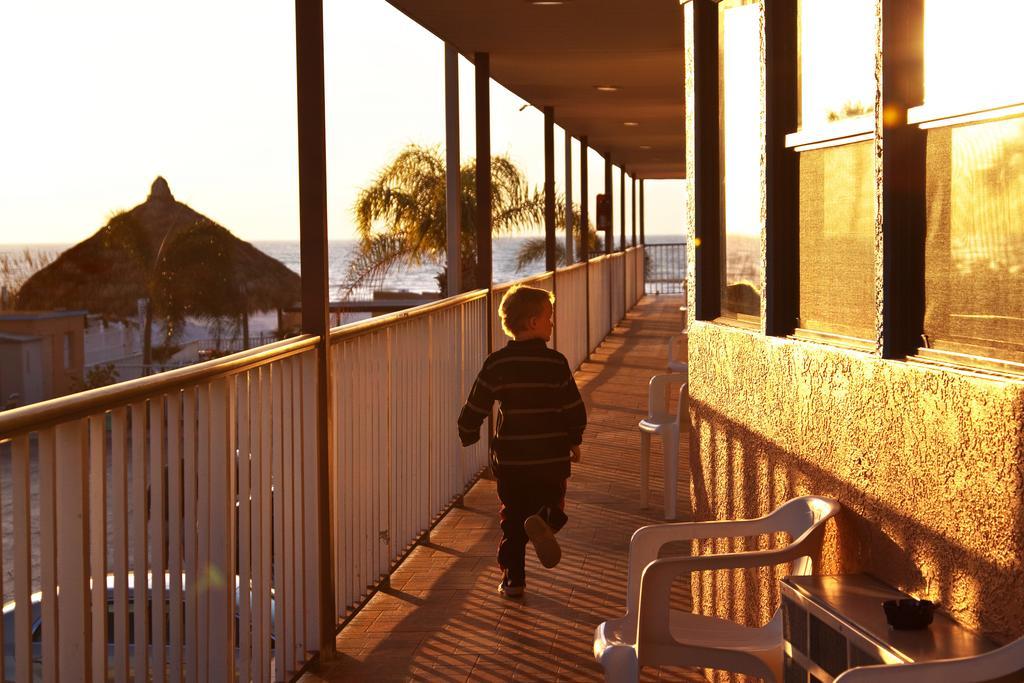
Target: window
[
  {"x": 837, "y": 63},
  {"x": 974, "y": 243},
  {"x": 974, "y": 256},
  {"x": 739, "y": 70},
  {"x": 837, "y": 241}
]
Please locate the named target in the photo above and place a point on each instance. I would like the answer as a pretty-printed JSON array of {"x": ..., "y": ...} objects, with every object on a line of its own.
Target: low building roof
[
  {"x": 40, "y": 315},
  {"x": 9, "y": 338}
]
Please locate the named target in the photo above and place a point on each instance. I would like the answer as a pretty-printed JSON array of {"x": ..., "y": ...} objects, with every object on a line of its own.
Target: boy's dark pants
[{"x": 521, "y": 495}]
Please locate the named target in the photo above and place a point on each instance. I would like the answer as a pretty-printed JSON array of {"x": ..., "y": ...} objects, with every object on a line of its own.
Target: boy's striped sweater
[{"x": 541, "y": 413}]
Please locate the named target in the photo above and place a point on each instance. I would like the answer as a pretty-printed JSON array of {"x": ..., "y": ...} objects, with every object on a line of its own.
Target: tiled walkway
[{"x": 442, "y": 619}]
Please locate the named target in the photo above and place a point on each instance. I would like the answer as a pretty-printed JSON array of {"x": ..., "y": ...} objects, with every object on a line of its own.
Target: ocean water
[{"x": 413, "y": 279}]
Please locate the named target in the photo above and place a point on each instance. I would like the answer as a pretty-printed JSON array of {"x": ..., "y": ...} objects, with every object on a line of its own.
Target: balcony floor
[{"x": 441, "y": 619}]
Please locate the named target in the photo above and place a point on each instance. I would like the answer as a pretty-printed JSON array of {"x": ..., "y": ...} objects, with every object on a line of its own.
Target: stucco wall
[{"x": 928, "y": 464}]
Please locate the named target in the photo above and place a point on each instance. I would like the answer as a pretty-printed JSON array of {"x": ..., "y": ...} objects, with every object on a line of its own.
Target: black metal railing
[{"x": 665, "y": 268}]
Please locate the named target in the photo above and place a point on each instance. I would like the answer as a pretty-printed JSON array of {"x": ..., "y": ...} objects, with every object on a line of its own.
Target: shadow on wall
[{"x": 737, "y": 472}]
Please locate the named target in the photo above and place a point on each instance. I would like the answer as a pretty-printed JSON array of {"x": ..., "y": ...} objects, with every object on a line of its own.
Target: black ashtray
[{"x": 909, "y": 614}]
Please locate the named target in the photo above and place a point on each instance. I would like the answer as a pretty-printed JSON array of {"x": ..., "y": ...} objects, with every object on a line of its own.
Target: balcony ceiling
[{"x": 555, "y": 55}]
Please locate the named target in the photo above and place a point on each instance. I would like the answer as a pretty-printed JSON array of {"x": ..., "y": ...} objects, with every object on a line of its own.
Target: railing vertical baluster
[
  {"x": 202, "y": 531},
  {"x": 119, "y": 511},
  {"x": 297, "y": 597},
  {"x": 157, "y": 535},
  {"x": 190, "y": 429},
  {"x": 266, "y": 450},
  {"x": 221, "y": 508},
  {"x": 47, "y": 541},
  {"x": 277, "y": 567},
  {"x": 98, "y": 543},
  {"x": 311, "y": 525},
  {"x": 175, "y": 513},
  {"x": 287, "y": 594},
  {"x": 244, "y": 464},
  {"x": 139, "y": 538},
  {"x": 21, "y": 516},
  {"x": 72, "y": 540}
]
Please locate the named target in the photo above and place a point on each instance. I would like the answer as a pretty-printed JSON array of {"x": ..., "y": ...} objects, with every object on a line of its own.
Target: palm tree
[
  {"x": 535, "y": 248},
  {"x": 401, "y": 215}
]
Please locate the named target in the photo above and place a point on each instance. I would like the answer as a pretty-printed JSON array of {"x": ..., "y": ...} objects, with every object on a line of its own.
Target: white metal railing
[
  {"x": 202, "y": 477},
  {"x": 188, "y": 487},
  {"x": 399, "y": 385}
]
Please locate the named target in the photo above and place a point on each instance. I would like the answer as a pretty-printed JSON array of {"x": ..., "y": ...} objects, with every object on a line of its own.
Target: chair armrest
[
  {"x": 647, "y": 542},
  {"x": 656, "y": 584},
  {"x": 657, "y": 398},
  {"x": 672, "y": 341}
]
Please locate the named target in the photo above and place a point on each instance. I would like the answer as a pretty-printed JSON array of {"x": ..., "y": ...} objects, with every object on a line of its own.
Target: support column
[
  {"x": 782, "y": 176},
  {"x": 483, "y": 171},
  {"x": 453, "y": 175},
  {"x": 622, "y": 208},
  {"x": 569, "y": 256},
  {"x": 312, "y": 152},
  {"x": 706, "y": 179},
  {"x": 482, "y": 62},
  {"x": 642, "y": 214},
  {"x": 609, "y": 234},
  {"x": 902, "y": 162},
  {"x": 585, "y": 227},
  {"x": 633, "y": 211},
  {"x": 550, "y": 257},
  {"x": 584, "y": 202}
]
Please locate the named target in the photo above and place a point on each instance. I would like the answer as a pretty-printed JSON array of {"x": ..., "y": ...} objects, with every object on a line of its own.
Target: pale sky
[{"x": 101, "y": 97}]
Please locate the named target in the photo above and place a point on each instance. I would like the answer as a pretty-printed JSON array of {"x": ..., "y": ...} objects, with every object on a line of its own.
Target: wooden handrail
[
  {"x": 64, "y": 408},
  {"x": 362, "y": 327}
]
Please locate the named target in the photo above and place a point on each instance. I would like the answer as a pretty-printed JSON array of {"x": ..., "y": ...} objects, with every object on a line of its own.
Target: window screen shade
[
  {"x": 837, "y": 240},
  {"x": 974, "y": 257}
]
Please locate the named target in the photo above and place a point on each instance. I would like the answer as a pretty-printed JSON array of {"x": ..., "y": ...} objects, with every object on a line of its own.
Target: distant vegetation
[
  {"x": 401, "y": 216},
  {"x": 16, "y": 268}
]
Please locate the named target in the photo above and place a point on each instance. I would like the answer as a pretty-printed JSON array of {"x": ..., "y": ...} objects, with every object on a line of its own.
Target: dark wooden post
[
  {"x": 609, "y": 235},
  {"x": 903, "y": 178},
  {"x": 550, "y": 258},
  {"x": 632, "y": 206},
  {"x": 483, "y": 169},
  {"x": 584, "y": 202},
  {"x": 312, "y": 149},
  {"x": 706, "y": 180},
  {"x": 482, "y": 60},
  {"x": 585, "y": 226},
  {"x": 622, "y": 209},
  {"x": 782, "y": 191},
  {"x": 642, "y": 214}
]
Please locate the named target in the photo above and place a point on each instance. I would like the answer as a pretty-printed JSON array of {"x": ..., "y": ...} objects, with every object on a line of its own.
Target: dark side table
[{"x": 835, "y": 623}]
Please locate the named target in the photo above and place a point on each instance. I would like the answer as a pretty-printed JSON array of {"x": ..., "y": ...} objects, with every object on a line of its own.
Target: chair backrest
[
  {"x": 683, "y": 407},
  {"x": 804, "y": 520},
  {"x": 998, "y": 666},
  {"x": 657, "y": 396}
]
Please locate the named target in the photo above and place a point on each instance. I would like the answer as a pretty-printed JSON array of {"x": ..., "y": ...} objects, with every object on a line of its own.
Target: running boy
[{"x": 540, "y": 426}]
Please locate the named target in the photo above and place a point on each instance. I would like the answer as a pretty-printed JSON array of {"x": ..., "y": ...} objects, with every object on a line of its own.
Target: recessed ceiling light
[
  {"x": 645, "y": 147},
  {"x": 607, "y": 88},
  {"x": 547, "y": 3},
  {"x": 631, "y": 124}
]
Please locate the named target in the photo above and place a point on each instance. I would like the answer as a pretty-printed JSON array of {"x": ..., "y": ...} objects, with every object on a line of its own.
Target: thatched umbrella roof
[{"x": 164, "y": 251}]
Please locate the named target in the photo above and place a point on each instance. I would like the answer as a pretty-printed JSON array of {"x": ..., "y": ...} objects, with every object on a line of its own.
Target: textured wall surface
[{"x": 927, "y": 462}]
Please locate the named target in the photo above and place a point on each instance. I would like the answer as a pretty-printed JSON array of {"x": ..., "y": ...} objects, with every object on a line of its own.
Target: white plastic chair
[
  {"x": 674, "y": 364},
  {"x": 667, "y": 425},
  {"x": 1003, "y": 664},
  {"x": 652, "y": 634}
]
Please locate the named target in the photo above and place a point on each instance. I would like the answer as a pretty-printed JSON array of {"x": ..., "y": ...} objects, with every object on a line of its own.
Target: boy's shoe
[
  {"x": 544, "y": 542},
  {"x": 510, "y": 590}
]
